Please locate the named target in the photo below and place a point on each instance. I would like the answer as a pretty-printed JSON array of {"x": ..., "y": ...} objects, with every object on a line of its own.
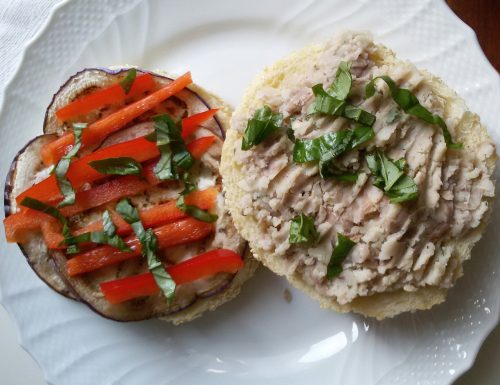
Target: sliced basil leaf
[
  {"x": 339, "y": 254},
  {"x": 329, "y": 145},
  {"x": 373, "y": 164},
  {"x": 173, "y": 152},
  {"x": 106, "y": 237},
  {"x": 361, "y": 135},
  {"x": 107, "y": 224},
  {"x": 359, "y": 115},
  {"x": 263, "y": 123},
  {"x": 410, "y": 104},
  {"x": 400, "y": 163},
  {"x": 63, "y": 165},
  {"x": 389, "y": 176},
  {"x": 149, "y": 244},
  {"x": 302, "y": 230},
  {"x": 328, "y": 170},
  {"x": 195, "y": 212},
  {"x": 117, "y": 166},
  {"x": 128, "y": 80},
  {"x": 389, "y": 171},
  {"x": 165, "y": 168},
  {"x": 191, "y": 210},
  {"x": 325, "y": 103},
  {"x": 161, "y": 276},
  {"x": 189, "y": 185},
  {"x": 341, "y": 85},
  {"x": 326, "y": 148},
  {"x": 109, "y": 228},
  {"x": 290, "y": 134},
  {"x": 403, "y": 190},
  {"x": 37, "y": 205},
  {"x": 127, "y": 211},
  {"x": 333, "y": 100},
  {"x": 98, "y": 237}
]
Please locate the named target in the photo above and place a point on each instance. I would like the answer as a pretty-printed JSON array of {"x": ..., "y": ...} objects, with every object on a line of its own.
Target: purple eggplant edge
[
  {"x": 119, "y": 71},
  {"x": 7, "y": 206}
]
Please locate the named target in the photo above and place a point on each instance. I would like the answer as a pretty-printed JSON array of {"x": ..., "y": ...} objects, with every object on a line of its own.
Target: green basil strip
[
  {"x": 128, "y": 80},
  {"x": 389, "y": 171},
  {"x": 302, "y": 230},
  {"x": 149, "y": 244},
  {"x": 326, "y": 148},
  {"x": 195, "y": 212},
  {"x": 339, "y": 254},
  {"x": 117, "y": 166},
  {"x": 390, "y": 177},
  {"x": 63, "y": 165},
  {"x": 326, "y": 104},
  {"x": 173, "y": 152},
  {"x": 342, "y": 83},
  {"x": 263, "y": 123},
  {"x": 191, "y": 210},
  {"x": 332, "y": 144},
  {"x": 37, "y": 205},
  {"x": 333, "y": 100},
  {"x": 358, "y": 115},
  {"x": 410, "y": 104},
  {"x": 106, "y": 237},
  {"x": 328, "y": 170},
  {"x": 361, "y": 135}
]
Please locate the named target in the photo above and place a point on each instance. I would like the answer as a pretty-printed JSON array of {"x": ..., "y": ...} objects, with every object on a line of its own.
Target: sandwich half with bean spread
[
  {"x": 119, "y": 203},
  {"x": 362, "y": 179}
]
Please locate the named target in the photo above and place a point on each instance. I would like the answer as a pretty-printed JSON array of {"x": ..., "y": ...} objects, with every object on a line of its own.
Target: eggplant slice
[
  {"x": 191, "y": 299},
  {"x": 24, "y": 168}
]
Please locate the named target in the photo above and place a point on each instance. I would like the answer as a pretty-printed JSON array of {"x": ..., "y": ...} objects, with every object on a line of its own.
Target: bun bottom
[{"x": 469, "y": 131}]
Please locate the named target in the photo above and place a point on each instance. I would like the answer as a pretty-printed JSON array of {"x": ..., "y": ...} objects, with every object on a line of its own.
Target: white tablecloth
[{"x": 20, "y": 20}]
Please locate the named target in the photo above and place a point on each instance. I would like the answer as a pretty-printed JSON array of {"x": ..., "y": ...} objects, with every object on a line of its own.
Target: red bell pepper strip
[
  {"x": 18, "y": 225},
  {"x": 199, "y": 146},
  {"x": 80, "y": 172},
  {"x": 97, "y": 131},
  {"x": 117, "y": 188},
  {"x": 113, "y": 94},
  {"x": 191, "y": 123},
  {"x": 172, "y": 234},
  {"x": 201, "y": 266},
  {"x": 158, "y": 215}
]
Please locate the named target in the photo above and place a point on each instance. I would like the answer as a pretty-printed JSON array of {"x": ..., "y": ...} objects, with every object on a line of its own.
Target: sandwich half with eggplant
[{"x": 119, "y": 203}]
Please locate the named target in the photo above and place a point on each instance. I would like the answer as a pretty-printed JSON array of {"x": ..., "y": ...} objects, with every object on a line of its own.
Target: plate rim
[{"x": 59, "y": 7}]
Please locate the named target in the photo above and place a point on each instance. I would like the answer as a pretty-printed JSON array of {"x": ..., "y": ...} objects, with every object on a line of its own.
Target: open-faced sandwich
[
  {"x": 118, "y": 204},
  {"x": 363, "y": 180}
]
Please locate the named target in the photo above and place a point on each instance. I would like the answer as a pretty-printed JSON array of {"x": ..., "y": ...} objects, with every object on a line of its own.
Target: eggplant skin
[
  {"x": 86, "y": 287},
  {"x": 36, "y": 257},
  {"x": 118, "y": 71}
]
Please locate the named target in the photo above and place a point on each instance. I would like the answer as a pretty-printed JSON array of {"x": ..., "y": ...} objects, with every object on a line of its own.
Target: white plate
[{"x": 258, "y": 338}]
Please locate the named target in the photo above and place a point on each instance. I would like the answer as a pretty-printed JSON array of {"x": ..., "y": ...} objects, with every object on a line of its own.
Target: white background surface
[{"x": 19, "y": 20}]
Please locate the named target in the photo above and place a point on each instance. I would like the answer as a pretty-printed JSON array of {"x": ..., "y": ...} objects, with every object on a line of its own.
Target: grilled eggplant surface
[{"x": 191, "y": 298}]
